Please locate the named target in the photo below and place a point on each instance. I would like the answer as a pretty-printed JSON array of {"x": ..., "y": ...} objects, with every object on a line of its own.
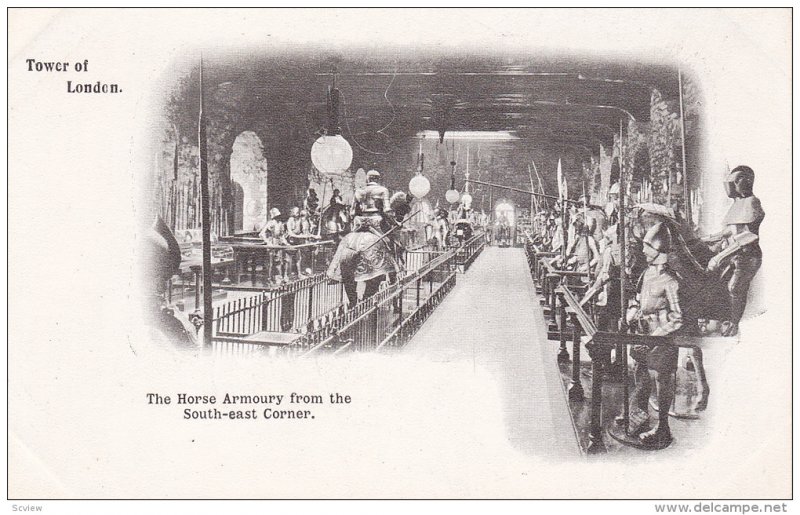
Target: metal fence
[
  {"x": 469, "y": 251},
  {"x": 313, "y": 309},
  {"x": 285, "y": 309},
  {"x": 380, "y": 321}
]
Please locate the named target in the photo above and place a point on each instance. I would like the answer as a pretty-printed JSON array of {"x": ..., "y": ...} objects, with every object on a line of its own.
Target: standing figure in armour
[
  {"x": 658, "y": 314},
  {"x": 311, "y": 207},
  {"x": 441, "y": 229},
  {"x": 738, "y": 254},
  {"x": 274, "y": 233},
  {"x": 503, "y": 230},
  {"x": 583, "y": 250}
]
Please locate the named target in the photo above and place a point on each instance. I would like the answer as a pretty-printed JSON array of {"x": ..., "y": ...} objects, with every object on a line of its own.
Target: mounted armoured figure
[{"x": 365, "y": 254}]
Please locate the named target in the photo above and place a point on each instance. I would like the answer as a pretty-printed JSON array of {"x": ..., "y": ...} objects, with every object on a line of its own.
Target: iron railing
[
  {"x": 312, "y": 313},
  {"x": 378, "y": 322},
  {"x": 288, "y": 308}
]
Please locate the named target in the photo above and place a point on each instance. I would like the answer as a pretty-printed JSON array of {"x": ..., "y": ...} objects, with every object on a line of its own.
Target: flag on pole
[
  {"x": 585, "y": 210},
  {"x": 562, "y": 183}
]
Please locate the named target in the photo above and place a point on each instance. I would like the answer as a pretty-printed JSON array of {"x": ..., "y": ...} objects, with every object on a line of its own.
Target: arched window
[{"x": 249, "y": 182}]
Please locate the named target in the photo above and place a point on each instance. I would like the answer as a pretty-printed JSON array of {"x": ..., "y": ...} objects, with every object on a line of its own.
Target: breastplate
[
  {"x": 654, "y": 296},
  {"x": 745, "y": 211},
  {"x": 376, "y": 198}
]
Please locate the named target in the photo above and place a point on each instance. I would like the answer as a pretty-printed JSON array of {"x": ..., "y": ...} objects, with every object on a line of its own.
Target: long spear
[
  {"x": 206, "y": 216},
  {"x": 534, "y": 202},
  {"x": 172, "y": 220},
  {"x": 586, "y": 230},
  {"x": 501, "y": 186},
  {"x": 686, "y": 201},
  {"x": 562, "y": 194},
  {"x": 538, "y": 177},
  {"x": 321, "y": 211},
  {"x": 623, "y": 279},
  {"x": 398, "y": 225}
]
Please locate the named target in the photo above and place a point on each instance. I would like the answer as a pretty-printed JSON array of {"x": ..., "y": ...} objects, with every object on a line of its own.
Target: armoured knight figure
[
  {"x": 465, "y": 211},
  {"x": 373, "y": 203},
  {"x": 441, "y": 229},
  {"x": 612, "y": 206},
  {"x": 293, "y": 229},
  {"x": 738, "y": 252},
  {"x": 658, "y": 314},
  {"x": 273, "y": 233},
  {"x": 583, "y": 250},
  {"x": 607, "y": 281},
  {"x": 311, "y": 206},
  {"x": 365, "y": 254},
  {"x": 335, "y": 216}
]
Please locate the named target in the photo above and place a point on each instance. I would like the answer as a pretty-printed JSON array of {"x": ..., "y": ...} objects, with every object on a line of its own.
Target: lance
[
  {"x": 390, "y": 231},
  {"x": 623, "y": 280},
  {"x": 541, "y": 195},
  {"x": 206, "y": 217},
  {"x": 686, "y": 201},
  {"x": 562, "y": 195},
  {"x": 172, "y": 220},
  {"x": 322, "y": 210},
  {"x": 534, "y": 202},
  {"x": 586, "y": 230}
]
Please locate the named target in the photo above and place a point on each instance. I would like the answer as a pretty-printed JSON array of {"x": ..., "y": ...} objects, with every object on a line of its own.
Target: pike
[
  {"x": 172, "y": 218},
  {"x": 534, "y": 202},
  {"x": 322, "y": 210},
  {"x": 205, "y": 216},
  {"x": 686, "y": 201},
  {"x": 623, "y": 279},
  {"x": 562, "y": 196},
  {"x": 538, "y": 177},
  {"x": 586, "y": 236}
]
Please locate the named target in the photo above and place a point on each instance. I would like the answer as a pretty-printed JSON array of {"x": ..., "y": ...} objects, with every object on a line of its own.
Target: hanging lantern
[
  {"x": 452, "y": 196},
  {"x": 466, "y": 198},
  {"x": 419, "y": 185},
  {"x": 331, "y": 155}
]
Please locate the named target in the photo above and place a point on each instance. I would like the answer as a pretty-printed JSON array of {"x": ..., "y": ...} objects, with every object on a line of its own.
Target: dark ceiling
[{"x": 568, "y": 100}]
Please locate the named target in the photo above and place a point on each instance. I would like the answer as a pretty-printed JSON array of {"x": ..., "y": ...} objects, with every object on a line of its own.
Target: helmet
[
  {"x": 373, "y": 175},
  {"x": 274, "y": 212},
  {"x": 614, "y": 189},
  {"x": 739, "y": 182},
  {"x": 657, "y": 244}
]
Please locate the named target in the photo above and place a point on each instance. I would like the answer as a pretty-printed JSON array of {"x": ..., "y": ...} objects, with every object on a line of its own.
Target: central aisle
[{"x": 493, "y": 318}]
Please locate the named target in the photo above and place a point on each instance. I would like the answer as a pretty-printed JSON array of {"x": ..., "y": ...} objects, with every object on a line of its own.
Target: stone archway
[
  {"x": 248, "y": 167},
  {"x": 505, "y": 207}
]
